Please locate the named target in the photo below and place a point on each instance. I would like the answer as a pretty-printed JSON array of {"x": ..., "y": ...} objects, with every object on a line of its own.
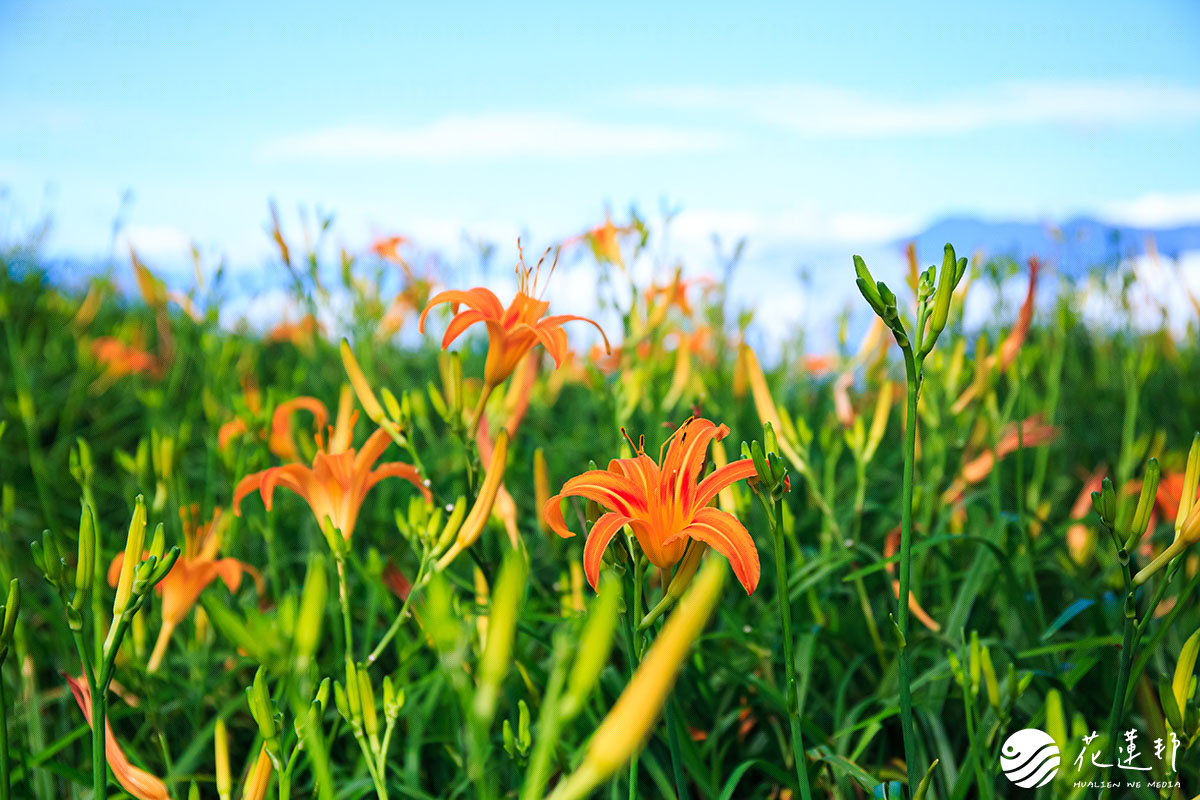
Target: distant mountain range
[{"x": 1074, "y": 247}]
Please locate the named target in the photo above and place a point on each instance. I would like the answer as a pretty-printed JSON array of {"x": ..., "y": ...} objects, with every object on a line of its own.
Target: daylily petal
[
  {"x": 559, "y": 319},
  {"x": 610, "y": 490},
  {"x": 281, "y": 419},
  {"x": 552, "y": 514},
  {"x": 597, "y": 542},
  {"x": 398, "y": 469},
  {"x": 724, "y": 533},
  {"x": 480, "y": 299},
  {"x": 296, "y": 477},
  {"x": 719, "y": 478},
  {"x": 462, "y": 320},
  {"x": 376, "y": 443},
  {"x": 248, "y": 484},
  {"x": 137, "y": 782}
]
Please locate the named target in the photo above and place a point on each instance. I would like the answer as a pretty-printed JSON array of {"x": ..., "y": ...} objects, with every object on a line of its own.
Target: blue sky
[{"x": 832, "y": 125}]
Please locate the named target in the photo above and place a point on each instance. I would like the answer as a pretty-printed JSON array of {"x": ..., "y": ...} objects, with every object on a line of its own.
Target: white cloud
[
  {"x": 815, "y": 110},
  {"x": 1156, "y": 210},
  {"x": 490, "y": 136},
  {"x": 804, "y": 225},
  {"x": 154, "y": 241}
]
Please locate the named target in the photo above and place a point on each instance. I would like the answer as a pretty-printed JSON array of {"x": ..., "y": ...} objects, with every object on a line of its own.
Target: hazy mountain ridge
[{"x": 1074, "y": 247}]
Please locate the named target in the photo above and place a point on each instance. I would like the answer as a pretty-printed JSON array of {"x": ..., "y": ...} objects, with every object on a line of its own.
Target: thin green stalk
[
  {"x": 1127, "y": 648},
  {"x": 99, "y": 758},
  {"x": 394, "y": 628},
  {"x": 3, "y": 741},
  {"x": 789, "y": 659},
  {"x": 907, "y": 730},
  {"x": 344, "y": 602},
  {"x": 635, "y": 614}
]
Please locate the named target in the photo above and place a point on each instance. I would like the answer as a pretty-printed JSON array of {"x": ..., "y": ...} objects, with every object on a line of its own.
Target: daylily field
[{"x": 451, "y": 540}]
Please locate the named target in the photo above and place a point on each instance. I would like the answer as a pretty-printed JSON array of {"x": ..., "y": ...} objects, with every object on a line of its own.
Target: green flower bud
[
  {"x": 1141, "y": 517},
  {"x": 85, "y": 564},
  {"x": 312, "y": 611},
  {"x": 595, "y": 645},
  {"x": 366, "y": 697},
  {"x": 502, "y": 625}
]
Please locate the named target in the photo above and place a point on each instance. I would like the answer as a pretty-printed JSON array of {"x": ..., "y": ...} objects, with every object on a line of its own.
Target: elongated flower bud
[
  {"x": 1141, "y": 517},
  {"x": 1191, "y": 478},
  {"x": 475, "y": 522},
  {"x": 1181, "y": 682},
  {"x": 989, "y": 678},
  {"x": 260, "y": 777},
  {"x": 221, "y": 754},
  {"x": 8, "y": 616},
  {"x": 366, "y": 697},
  {"x": 595, "y": 645},
  {"x": 767, "y": 412},
  {"x": 312, "y": 611},
  {"x": 625, "y": 728},
  {"x": 261, "y": 708},
  {"x": 941, "y": 300},
  {"x": 134, "y": 543},
  {"x": 85, "y": 565},
  {"x": 1187, "y": 536},
  {"x": 361, "y": 388},
  {"x": 502, "y": 625}
]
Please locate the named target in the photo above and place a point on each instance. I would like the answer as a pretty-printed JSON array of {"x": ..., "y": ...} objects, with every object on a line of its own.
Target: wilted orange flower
[
  {"x": 339, "y": 478},
  {"x": 512, "y": 331},
  {"x": 663, "y": 504},
  {"x": 137, "y": 782},
  {"x": 196, "y": 568}
]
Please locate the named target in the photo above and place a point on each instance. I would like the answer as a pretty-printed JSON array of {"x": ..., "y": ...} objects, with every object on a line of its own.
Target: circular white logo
[{"x": 1029, "y": 758}]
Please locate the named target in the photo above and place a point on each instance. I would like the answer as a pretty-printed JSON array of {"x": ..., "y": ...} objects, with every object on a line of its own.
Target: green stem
[
  {"x": 1127, "y": 648},
  {"x": 99, "y": 758},
  {"x": 635, "y": 614},
  {"x": 394, "y": 628},
  {"x": 4, "y": 789},
  {"x": 789, "y": 659},
  {"x": 344, "y": 602},
  {"x": 907, "y": 731}
]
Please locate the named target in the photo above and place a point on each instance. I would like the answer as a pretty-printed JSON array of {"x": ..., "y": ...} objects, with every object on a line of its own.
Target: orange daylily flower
[
  {"x": 196, "y": 568},
  {"x": 1012, "y": 342},
  {"x": 674, "y": 293},
  {"x": 512, "y": 331},
  {"x": 388, "y": 248},
  {"x": 120, "y": 359},
  {"x": 300, "y": 334},
  {"x": 339, "y": 478},
  {"x": 890, "y": 545},
  {"x": 664, "y": 503},
  {"x": 1079, "y": 537},
  {"x": 137, "y": 782},
  {"x": 1033, "y": 433}
]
